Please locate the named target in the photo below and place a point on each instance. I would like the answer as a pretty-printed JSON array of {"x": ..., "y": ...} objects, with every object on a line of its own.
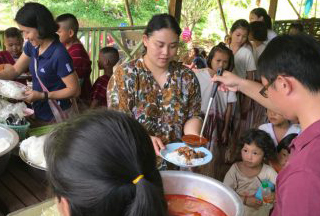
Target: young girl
[
  {"x": 279, "y": 127},
  {"x": 103, "y": 163},
  {"x": 283, "y": 152},
  {"x": 260, "y": 14},
  {"x": 257, "y": 36},
  {"x": 217, "y": 129},
  {"x": 245, "y": 176},
  {"x": 248, "y": 114}
]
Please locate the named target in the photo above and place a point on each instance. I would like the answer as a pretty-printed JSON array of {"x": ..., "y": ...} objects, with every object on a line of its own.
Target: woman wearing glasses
[{"x": 161, "y": 94}]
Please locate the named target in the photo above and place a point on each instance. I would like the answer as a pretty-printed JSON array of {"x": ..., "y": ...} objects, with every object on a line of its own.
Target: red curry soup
[
  {"x": 194, "y": 140},
  {"x": 183, "y": 205}
]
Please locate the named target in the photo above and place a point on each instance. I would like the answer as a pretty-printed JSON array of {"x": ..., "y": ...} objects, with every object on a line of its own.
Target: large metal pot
[
  {"x": 205, "y": 188},
  {"x": 13, "y": 138}
]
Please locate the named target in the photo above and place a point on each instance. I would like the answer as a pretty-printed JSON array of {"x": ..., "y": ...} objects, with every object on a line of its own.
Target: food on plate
[
  {"x": 32, "y": 149},
  {"x": 186, "y": 156},
  {"x": 16, "y": 109},
  {"x": 183, "y": 205},
  {"x": 194, "y": 140},
  {"x": 4, "y": 144},
  {"x": 12, "y": 89}
]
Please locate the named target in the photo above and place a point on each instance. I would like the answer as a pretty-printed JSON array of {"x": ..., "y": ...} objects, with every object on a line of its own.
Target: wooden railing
[
  {"x": 311, "y": 26},
  {"x": 128, "y": 40}
]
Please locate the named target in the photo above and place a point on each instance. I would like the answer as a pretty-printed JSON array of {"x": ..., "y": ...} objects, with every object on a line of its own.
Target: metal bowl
[
  {"x": 205, "y": 188},
  {"x": 13, "y": 138}
]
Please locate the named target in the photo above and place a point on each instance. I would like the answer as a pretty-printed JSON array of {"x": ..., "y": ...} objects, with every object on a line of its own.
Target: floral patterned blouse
[{"x": 162, "y": 111}]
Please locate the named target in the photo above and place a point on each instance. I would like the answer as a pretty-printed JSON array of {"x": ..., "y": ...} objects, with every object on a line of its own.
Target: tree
[{"x": 192, "y": 11}]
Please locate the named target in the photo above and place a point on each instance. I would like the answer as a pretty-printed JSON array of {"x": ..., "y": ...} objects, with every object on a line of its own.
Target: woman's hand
[
  {"x": 253, "y": 202},
  {"x": 157, "y": 144},
  {"x": 33, "y": 96}
]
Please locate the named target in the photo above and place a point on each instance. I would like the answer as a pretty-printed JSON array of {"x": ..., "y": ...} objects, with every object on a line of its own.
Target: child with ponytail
[{"x": 103, "y": 163}]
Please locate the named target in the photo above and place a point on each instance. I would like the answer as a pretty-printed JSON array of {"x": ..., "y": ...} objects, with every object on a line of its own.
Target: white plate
[
  {"x": 24, "y": 158},
  {"x": 173, "y": 146}
]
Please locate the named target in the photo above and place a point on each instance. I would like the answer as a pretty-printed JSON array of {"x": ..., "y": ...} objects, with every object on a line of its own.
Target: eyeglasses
[{"x": 264, "y": 90}]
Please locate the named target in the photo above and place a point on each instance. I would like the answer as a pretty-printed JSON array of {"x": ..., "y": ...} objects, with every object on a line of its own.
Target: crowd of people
[{"x": 253, "y": 119}]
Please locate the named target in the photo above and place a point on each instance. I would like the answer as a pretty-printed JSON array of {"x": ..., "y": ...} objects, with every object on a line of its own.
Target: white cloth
[
  {"x": 246, "y": 186},
  {"x": 271, "y": 35},
  {"x": 268, "y": 127},
  {"x": 244, "y": 61},
  {"x": 257, "y": 52},
  {"x": 206, "y": 85}
]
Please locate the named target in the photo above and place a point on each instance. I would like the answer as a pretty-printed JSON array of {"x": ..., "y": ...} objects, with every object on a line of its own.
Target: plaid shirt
[
  {"x": 162, "y": 111},
  {"x": 99, "y": 90}
]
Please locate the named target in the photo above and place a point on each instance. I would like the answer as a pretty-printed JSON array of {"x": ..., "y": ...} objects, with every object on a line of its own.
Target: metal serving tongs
[{"x": 213, "y": 94}]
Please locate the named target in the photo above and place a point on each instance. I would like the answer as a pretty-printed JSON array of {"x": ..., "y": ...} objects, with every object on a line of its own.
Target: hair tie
[{"x": 136, "y": 180}]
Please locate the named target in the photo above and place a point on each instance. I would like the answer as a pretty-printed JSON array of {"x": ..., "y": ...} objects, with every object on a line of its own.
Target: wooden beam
[
  {"x": 175, "y": 7},
  {"x": 222, "y": 17},
  {"x": 128, "y": 12},
  {"x": 273, "y": 9},
  {"x": 295, "y": 10}
]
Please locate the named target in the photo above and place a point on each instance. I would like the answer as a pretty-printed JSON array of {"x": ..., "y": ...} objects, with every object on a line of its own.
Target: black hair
[
  {"x": 297, "y": 26},
  {"x": 204, "y": 54},
  {"x": 285, "y": 142},
  {"x": 13, "y": 32},
  {"x": 241, "y": 23},
  {"x": 92, "y": 161},
  {"x": 259, "y": 31},
  {"x": 261, "y": 12},
  {"x": 112, "y": 54},
  {"x": 71, "y": 21},
  {"x": 261, "y": 139},
  {"x": 35, "y": 15},
  {"x": 196, "y": 51},
  {"x": 292, "y": 55},
  {"x": 161, "y": 21},
  {"x": 221, "y": 47}
]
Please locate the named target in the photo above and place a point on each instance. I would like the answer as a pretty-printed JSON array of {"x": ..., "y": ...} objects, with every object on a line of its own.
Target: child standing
[
  {"x": 13, "y": 42},
  {"x": 279, "y": 127},
  {"x": 258, "y": 35},
  {"x": 198, "y": 61},
  {"x": 108, "y": 58},
  {"x": 68, "y": 29},
  {"x": 245, "y": 176},
  {"x": 217, "y": 129}
]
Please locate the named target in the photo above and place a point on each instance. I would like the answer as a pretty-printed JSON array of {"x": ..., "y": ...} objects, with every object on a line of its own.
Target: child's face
[
  {"x": 253, "y": 17},
  {"x": 252, "y": 155},
  {"x": 219, "y": 60},
  {"x": 101, "y": 61},
  {"x": 64, "y": 33},
  {"x": 283, "y": 157},
  {"x": 239, "y": 36},
  {"x": 275, "y": 118},
  {"x": 14, "y": 46}
]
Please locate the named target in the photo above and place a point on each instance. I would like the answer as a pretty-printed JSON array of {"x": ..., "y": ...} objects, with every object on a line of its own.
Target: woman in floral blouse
[{"x": 161, "y": 94}]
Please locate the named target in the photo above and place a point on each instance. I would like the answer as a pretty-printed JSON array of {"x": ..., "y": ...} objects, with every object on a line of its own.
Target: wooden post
[
  {"x": 295, "y": 10},
  {"x": 175, "y": 7},
  {"x": 273, "y": 9},
  {"x": 128, "y": 12},
  {"x": 222, "y": 17}
]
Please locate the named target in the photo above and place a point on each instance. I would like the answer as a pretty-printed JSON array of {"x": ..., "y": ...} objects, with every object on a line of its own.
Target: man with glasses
[{"x": 290, "y": 75}]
